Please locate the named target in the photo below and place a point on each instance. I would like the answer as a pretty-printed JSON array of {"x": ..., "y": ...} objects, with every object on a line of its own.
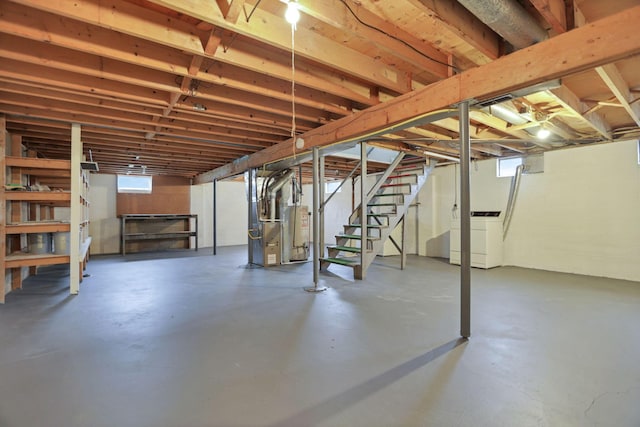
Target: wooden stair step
[
  {"x": 368, "y": 225},
  {"x": 343, "y": 261},
  {"x": 373, "y": 205}
]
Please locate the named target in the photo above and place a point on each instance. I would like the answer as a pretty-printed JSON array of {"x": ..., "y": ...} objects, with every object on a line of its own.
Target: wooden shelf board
[
  {"x": 38, "y": 227},
  {"x": 35, "y": 163},
  {"x": 31, "y": 260},
  {"x": 38, "y": 196},
  {"x": 157, "y": 216},
  {"x": 152, "y": 236}
]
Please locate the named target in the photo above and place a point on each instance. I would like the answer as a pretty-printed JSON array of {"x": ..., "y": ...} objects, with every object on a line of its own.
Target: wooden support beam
[
  {"x": 89, "y": 43},
  {"x": 595, "y": 44},
  {"x": 451, "y": 16},
  {"x": 3, "y": 206},
  {"x": 276, "y": 32},
  {"x": 616, "y": 83},
  {"x": 43, "y": 76},
  {"x": 554, "y": 12},
  {"x": 380, "y": 32},
  {"x": 230, "y": 9},
  {"x": 580, "y": 110},
  {"x": 126, "y": 18},
  {"x": 16, "y": 212}
]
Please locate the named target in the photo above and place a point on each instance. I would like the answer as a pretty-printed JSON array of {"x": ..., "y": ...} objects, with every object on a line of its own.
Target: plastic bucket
[
  {"x": 40, "y": 243},
  {"x": 61, "y": 243}
]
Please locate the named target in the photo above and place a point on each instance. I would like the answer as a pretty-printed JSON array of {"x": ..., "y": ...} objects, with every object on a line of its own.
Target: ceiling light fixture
[
  {"x": 292, "y": 15},
  {"x": 543, "y": 133}
]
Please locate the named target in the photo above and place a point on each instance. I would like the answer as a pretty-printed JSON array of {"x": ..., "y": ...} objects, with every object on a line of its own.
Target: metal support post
[
  {"x": 363, "y": 210},
  {"x": 403, "y": 251},
  {"x": 215, "y": 217},
  {"x": 465, "y": 222},
  {"x": 321, "y": 198},
  {"x": 316, "y": 222}
]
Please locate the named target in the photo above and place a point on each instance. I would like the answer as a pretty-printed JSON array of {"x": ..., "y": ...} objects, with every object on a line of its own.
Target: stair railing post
[{"x": 363, "y": 209}]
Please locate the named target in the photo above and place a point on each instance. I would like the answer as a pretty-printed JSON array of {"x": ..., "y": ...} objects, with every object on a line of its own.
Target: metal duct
[
  {"x": 273, "y": 189},
  {"x": 509, "y": 19},
  {"x": 513, "y": 195}
]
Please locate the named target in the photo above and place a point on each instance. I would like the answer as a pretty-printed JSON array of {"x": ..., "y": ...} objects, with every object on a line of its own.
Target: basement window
[
  {"x": 331, "y": 186},
  {"x": 140, "y": 184},
  {"x": 507, "y": 167}
]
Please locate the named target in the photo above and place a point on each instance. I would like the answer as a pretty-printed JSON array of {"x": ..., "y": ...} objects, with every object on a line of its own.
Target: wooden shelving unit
[
  {"x": 138, "y": 228},
  {"x": 31, "y": 212}
]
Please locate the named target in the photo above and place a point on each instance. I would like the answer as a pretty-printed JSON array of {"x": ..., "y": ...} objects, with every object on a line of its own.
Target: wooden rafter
[
  {"x": 384, "y": 34},
  {"x": 565, "y": 54},
  {"x": 554, "y": 12},
  {"x": 451, "y": 16},
  {"x": 580, "y": 110},
  {"x": 614, "y": 80}
]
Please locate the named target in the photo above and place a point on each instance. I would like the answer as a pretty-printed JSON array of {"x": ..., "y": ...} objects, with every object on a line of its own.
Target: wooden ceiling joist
[
  {"x": 616, "y": 83},
  {"x": 213, "y": 79},
  {"x": 568, "y": 53}
]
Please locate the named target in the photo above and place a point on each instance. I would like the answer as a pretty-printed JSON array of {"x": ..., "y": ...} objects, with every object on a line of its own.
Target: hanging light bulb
[
  {"x": 543, "y": 133},
  {"x": 292, "y": 15}
]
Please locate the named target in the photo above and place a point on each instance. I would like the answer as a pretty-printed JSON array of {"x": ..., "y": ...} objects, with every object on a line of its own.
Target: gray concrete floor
[{"x": 194, "y": 340}]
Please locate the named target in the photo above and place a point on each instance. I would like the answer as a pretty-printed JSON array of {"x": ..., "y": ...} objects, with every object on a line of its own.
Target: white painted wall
[
  {"x": 579, "y": 216},
  {"x": 336, "y": 214},
  {"x": 232, "y": 213}
]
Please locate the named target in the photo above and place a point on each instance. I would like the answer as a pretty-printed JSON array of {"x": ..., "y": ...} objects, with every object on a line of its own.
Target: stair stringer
[
  {"x": 394, "y": 220},
  {"x": 375, "y": 246}
]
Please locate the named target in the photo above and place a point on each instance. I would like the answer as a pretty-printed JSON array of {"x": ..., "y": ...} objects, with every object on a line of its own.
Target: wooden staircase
[{"x": 387, "y": 205}]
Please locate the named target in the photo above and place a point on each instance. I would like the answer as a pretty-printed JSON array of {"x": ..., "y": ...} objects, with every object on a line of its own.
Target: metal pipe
[
  {"x": 215, "y": 217},
  {"x": 316, "y": 219},
  {"x": 509, "y": 19},
  {"x": 364, "y": 200},
  {"x": 321, "y": 200},
  {"x": 340, "y": 186},
  {"x": 273, "y": 189},
  {"x": 465, "y": 222},
  {"x": 513, "y": 195}
]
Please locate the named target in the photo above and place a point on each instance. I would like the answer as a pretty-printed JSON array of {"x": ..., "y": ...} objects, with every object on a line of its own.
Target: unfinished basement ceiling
[{"x": 186, "y": 87}]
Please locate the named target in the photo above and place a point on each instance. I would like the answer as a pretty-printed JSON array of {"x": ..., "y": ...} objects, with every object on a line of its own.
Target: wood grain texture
[{"x": 170, "y": 195}]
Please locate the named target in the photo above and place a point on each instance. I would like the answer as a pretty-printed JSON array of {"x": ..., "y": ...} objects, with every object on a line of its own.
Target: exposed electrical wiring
[{"x": 397, "y": 38}]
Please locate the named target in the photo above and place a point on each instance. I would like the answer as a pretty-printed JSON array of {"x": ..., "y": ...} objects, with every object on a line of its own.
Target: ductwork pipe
[
  {"x": 513, "y": 195},
  {"x": 509, "y": 19},
  {"x": 272, "y": 191}
]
